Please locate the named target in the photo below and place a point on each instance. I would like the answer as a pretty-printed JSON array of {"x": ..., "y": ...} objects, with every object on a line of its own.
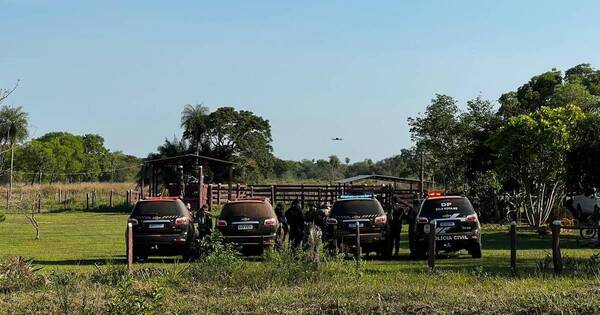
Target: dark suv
[
  {"x": 249, "y": 223},
  {"x": 366, "y": 212},
  {"x": 162, "y": 226},
  {"x": 457, "y": 226}
]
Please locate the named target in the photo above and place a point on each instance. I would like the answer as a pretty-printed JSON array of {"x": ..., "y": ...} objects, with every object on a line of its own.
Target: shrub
[
  {"x": 63, "y": 283},
  {"x": 18, "y": 273},
  {"x": 2, "y": 217},
  {"x": 135, "y": 300}
]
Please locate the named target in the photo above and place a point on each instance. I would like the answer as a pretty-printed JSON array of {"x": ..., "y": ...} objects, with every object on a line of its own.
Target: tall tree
[
  {"x": 532, "y": 153},
  {"x": 194, "y": 121},
  {"x": 437, "y": 133}
]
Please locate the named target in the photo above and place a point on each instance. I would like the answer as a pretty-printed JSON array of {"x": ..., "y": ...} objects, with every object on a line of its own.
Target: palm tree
[
  {"x": 13, "y": 125},
  {"x": 13, "y": 129},
  {"x": 194, "y": 123}
]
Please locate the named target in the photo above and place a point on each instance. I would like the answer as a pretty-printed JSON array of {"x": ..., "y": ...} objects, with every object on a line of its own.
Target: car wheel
[{"x": 476, "y": 250}]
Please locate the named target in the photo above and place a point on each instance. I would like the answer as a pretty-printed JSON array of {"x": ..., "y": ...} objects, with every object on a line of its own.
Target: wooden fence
[{"x": 218, "y": 193}]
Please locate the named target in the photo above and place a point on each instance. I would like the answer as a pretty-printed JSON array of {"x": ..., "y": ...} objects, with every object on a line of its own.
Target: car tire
[{"x": 476, "y": 250}]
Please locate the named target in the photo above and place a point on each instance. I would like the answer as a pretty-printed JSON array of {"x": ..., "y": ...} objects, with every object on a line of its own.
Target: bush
[
  {"x": 133, "y": 300},
  {"x": 2, "y": 217},
  {"x": 18, "y": 273}
]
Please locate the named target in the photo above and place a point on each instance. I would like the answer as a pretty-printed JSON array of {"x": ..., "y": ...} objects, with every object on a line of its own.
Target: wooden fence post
[
  {"x": 39, "y": 202},
  {"x": 210, "y": 197},
  {"x": 432, "y": 250},
  {"x": 302, "y": 195},
  {"x": 273, "y": 194},
  {"x": 237, "y": 191},
  {"x": 513, "y": 247},
  {"x": 110, "y": 199},
  {"x": 556, "y": 256},
  {"x": 129, "y": 247},
  {"x": 358, "y": 249},
  {"x": 87, "y": 201},
  {"x": 251, "y": 191},
  {"x": 219, "y": 193}
]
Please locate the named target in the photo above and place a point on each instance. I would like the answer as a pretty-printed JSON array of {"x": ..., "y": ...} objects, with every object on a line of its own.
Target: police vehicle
[
  {"x": 456, "y": 225},
  {"x": 364, "y": 213}
]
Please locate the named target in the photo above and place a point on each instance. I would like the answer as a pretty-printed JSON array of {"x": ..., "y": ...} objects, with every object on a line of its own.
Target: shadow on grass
[{"x": 118, "y": 209}]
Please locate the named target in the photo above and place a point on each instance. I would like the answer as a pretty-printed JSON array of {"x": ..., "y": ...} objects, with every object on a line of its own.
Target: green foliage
[
  {"x": 532, "y": 154},
  {"x": 18, "y": 273},
  {"x": 2, "y": 217},
  {"x": 229, "y": 134},
  {"x": 132, "y": 300},
  {"x": 61, "y": 156}
]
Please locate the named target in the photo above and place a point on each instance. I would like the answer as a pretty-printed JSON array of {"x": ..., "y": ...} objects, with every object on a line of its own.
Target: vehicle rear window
[
  {"x": 356, "y": 207},
  {"x": 247, "y": 209},
  {"x": 158, "y": 208},
  {"x": 441, "y": 208}
]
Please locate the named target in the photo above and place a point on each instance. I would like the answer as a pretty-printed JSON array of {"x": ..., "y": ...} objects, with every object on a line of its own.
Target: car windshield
[
  {"x": 356, "y": 207},
  {"x": 445, "y": 207},
  {"x": 247, "y": 209},
  {"x": 157, "y": 209}
]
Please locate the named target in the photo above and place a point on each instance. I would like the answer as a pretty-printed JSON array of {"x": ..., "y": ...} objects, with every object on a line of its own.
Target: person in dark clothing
[
  {"x": 295, "y": 219},
  {"x": 396, "y": 227},
  {"x": 205, "y": 224},
  {"x": 283, "y": 229}
]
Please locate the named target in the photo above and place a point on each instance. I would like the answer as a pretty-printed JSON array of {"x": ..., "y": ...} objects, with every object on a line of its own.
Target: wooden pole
[
  {"x": 302, "y": 195},
  {"x": 129, "y": 247},
  {"x": 87, "y": 201},
  {"x": 358, "y": 249},
  {"x": 230, "y": 183},
  {"x": 273, "y": 194},
  {"x": 219, "y": 193},
  {"x": 251, "y": 191},
  {"x": 432, "y": 249},
  {"x": 110, "y": 199},
  {"x": 237, "y": 191},
  {"x": 210, "y": 197},
  {"x": 513, "y": 247},
  {"x": 39, "y": 203},
  {"x": 200, "y": 186},
  {"x": 556, "y": 256}
]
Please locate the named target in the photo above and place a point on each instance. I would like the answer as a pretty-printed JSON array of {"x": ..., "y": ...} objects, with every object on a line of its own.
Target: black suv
[
  {"x": 457, "y": 226},
  {"x": 162, "y": 226},
  {"x": 249, "y": 223},
  {"x": 366, "y": 212}
]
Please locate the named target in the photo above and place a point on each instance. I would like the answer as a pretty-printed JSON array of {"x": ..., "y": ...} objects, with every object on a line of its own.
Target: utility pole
[
  {"x": 12, "y": 156},
  {"x": 422, "y": 173}
]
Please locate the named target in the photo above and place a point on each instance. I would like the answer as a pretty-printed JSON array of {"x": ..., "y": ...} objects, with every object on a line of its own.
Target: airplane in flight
[{"x": 337, "y": 139}]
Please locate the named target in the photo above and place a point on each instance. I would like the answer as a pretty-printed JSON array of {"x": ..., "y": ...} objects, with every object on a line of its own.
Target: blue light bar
[{"x": 356, "y": 196}]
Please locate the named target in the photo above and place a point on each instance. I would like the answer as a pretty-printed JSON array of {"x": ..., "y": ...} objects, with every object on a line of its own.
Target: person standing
[
  {"x": 396, "y": 227},
  {"x": 283, "y": 229},
  {"x": 295, "y": 219}
]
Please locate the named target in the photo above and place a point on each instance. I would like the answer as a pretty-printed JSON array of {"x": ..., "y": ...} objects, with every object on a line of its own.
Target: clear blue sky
[{"x": 315, "y": 69}]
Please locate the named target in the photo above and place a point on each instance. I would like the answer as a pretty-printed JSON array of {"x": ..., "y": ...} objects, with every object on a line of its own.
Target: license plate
[
  {"x": 156, "y": 226},
  {"x": 353, "y": 225},
  {"x": 446, "y": 223},
  {"x": 245, "y": 227}
]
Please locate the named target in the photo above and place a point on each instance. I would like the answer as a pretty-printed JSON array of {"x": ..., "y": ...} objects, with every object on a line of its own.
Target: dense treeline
[
  {"x": 539, "y": 145},
  {"x": 61, "y": 156}
]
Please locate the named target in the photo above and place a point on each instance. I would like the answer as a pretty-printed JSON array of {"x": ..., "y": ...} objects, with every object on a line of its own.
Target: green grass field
[{"x": 73, "y": 242}]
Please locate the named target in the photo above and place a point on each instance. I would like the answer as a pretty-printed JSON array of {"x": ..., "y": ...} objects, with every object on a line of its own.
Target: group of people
[{"x": 294, "y": 223}]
